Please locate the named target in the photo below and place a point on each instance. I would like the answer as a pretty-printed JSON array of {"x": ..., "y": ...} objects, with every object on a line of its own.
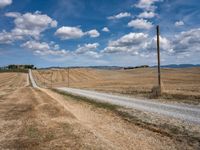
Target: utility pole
[
  {"x": 68, "y": 77},
  {"x": 44, "y": 83},
  {"x": 158, "y": 55},
  {"x": 51, "y": 78}
]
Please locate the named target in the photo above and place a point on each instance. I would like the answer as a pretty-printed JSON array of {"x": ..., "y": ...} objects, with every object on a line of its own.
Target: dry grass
[{"x": 179, "y": 84}]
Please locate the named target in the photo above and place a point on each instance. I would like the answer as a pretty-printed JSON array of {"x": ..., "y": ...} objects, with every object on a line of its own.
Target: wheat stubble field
[
  {"x": 177, "y": 83},
  {"x": 42, "y": 119}
]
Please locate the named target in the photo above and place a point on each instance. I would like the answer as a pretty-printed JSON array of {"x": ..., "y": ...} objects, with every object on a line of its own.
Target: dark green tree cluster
[{"x": 21, "y": 66}]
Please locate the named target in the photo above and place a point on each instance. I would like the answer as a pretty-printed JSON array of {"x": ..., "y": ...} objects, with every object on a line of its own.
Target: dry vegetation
[
  {"x": 182, "y": 84},
  {"x": 41, "y": 119}
]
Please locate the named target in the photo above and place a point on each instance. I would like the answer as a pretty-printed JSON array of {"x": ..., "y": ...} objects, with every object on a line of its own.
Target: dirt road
[{"x": 185, "y": 112}]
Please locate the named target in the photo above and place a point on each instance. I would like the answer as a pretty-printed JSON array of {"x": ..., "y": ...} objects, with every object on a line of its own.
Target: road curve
[{"x": 187, "y": 113}]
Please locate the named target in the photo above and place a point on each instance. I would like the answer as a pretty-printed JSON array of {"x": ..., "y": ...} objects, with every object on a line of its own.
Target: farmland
[
  {"x": 42, "y": 119},
  {"x": 181, "y": 84}
]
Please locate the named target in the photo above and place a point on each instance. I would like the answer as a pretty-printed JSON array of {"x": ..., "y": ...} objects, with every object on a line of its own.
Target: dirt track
[{"x": 34, "y": 119}]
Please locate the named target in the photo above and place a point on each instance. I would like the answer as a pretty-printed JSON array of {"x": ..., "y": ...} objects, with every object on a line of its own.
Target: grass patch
[
  {"x": 49, "y": 136},
  {"x": 189, "y": 99},
  {"x": 33, "y": 132}
]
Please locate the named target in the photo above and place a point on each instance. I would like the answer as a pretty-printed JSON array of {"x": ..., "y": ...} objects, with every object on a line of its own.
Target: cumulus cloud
[
  {"x": 43, "y": 48},
  {"x": 129, "y": 43},
  {"x": 187, "y": 41},
  {"x": 140, "y": 24},
  {"x": 147, "y": 14},
  {"x": 179, "y": 23},
  {"x": 13, "y": 14},
  {"x": 46, "y": 49},
  {"x": 67, "y": 32},
  {"x": 27, "y": 25},
  {"x": 105, "y": 29},
  {"x": 7, "y": 37},
  {"x": 120, "y": 15},
  {"x": 165, "y": 44},
  {"x": 148, "y": 5},
  {"x": 93, "y": 33},
  {"x": 88, "y": 50},
  {"x": 4, "y": 3},
  {"x": 183, "y": 44}
]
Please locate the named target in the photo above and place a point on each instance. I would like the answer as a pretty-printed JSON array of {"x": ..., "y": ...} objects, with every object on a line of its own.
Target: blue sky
[{"x": 98, "y": 32}]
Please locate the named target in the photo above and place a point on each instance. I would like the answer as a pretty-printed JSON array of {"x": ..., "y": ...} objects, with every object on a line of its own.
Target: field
[
  {"x": 42, "y": 119},
  {"x": 181, "y": 84}
]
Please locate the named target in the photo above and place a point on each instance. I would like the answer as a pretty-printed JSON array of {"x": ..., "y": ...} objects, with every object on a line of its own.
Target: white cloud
[
  {"x": 147, "y": 14},
  {"x": 179, "y": 23},
  {"x": 120, "y": 15},
  {"x": 4, "y": 3},
  {"x": 67, "y": 32},
  {"x": 187, "y": 41},
  {"x": 43, "y": 48},
  {"x": 88, "y": 50},
  {"x": 147, "y": 5},
  {"x": 46, "y": 49},
  {"x": 165, "y": 44},
  {"x": 9, "y": 37},
  {"x": 5, "y": 38},
  {"x": 32, "y": 24},
  {"x": 93, "y": 33},
  {"x": 138, "y": 44},
  {"x": 105, "y": 29},
  {"x": 129, "y": 43},
  {"x": 93, "y": 54},
  {"x": 140, "y": 24},
  {"x": 13, "y": 14},
  {"x": 27, "y": 25}
]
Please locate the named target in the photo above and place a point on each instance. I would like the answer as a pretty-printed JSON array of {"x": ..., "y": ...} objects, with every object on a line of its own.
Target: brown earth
[
  {"x": 41, "y": 119},
  {"x": 181, "y": 84}
]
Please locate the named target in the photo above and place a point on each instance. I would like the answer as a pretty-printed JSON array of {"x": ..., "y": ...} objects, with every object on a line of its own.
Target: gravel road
[
  {"x": 188, "y": 113},
  {"x": 32, "y": 79}
]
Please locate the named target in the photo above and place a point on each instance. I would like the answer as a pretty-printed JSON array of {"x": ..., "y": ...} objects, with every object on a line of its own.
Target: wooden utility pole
[
  {"x": 68, "y": 77},
  {"x": 51, "y": 79},
  {"x": 158, "y": 54}
]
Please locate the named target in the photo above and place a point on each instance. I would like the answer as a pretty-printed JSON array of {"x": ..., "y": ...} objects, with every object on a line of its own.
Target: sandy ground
[
  {"x": 182, "y": 83},
  {"x": 42, "y": 119}
]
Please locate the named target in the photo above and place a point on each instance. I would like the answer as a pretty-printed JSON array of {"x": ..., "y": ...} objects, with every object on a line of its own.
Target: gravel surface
[
  {"x": 188, "y": 113},
  {"x": 32, "y": 79}
]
